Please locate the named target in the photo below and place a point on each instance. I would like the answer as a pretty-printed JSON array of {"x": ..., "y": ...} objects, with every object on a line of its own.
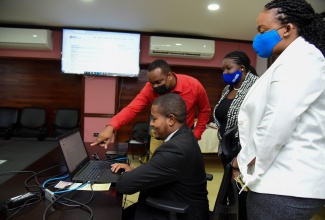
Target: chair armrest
[
  {"x": 44, "y": 128},
  {"x": 11, "y": 127},
  {"x": 167, "y": 205},
  {"x": 209, "y": 176},
  {"x": 133, "y": 141},
  {"x": 54, "y": 126}
]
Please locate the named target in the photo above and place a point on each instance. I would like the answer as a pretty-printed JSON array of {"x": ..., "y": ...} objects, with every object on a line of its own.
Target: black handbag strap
[{"x": 230, "y": 145}]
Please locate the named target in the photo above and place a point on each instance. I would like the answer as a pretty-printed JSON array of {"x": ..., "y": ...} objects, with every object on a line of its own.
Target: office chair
[
  {"x": 32, "y": 123},
  {"x": 226, "y": 204},
  {"x": 66, "y": 119},
  {"x": 174, "y": 207},
  {"x": 8, "y": 121},
  {"x": 225, "y": 207},
  {"x": 140, "y": 137}
]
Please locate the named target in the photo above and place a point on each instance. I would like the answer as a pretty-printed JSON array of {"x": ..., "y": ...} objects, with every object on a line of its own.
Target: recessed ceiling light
[{"x": 213, "y": 7}]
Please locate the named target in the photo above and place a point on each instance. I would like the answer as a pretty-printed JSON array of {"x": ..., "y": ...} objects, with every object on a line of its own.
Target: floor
[{"x": 213, "y": 165}]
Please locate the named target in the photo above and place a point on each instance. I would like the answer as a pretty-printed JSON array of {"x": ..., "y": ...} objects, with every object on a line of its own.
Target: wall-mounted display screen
[{"x": 103, "y": 53}]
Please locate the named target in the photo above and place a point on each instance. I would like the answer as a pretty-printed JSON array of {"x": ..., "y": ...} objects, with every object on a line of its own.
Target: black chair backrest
[
  {"x": 67, "y": 118},
  {"x": 140, "y": 132},
  {"x": 8, "y": 116},
  {"x": 230, "y": 143},
  {"x": 32, "y": 117}
]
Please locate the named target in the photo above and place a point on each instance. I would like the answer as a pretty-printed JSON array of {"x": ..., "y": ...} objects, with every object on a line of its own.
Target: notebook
[{"x": 78, "y": 163}]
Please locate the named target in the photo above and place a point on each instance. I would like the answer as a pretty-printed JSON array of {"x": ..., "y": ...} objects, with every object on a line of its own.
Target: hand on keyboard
[{"x": 121, "y": 167}]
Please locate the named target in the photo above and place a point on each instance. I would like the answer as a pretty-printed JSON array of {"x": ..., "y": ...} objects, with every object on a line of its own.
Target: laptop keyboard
[{"x": 95, "y": 170}]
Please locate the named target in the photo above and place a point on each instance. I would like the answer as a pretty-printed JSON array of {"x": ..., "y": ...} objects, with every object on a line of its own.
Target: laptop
[{"x": 80, "y": 167}]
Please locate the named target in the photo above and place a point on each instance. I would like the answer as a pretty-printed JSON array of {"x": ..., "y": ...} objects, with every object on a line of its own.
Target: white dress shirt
[{"x": 282, "y": 124}]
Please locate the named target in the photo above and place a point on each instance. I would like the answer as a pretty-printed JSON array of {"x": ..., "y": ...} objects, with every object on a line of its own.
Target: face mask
[
  {"x": 233, "y": 78},
  {"x": 263, "y": 44},
  {"x": 161, "y": 90}
]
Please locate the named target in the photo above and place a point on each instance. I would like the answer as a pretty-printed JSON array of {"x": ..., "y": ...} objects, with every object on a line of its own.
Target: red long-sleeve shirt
[{"x": 189, "y": 88}]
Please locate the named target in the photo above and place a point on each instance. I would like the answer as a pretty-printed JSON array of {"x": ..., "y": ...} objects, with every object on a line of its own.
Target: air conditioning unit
[
  {"x": 30, "y": 39},
  {"x": 181, "y": 47}
]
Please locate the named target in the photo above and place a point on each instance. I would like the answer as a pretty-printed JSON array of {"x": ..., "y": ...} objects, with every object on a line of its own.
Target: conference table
[{"x": 104, "y": 204}]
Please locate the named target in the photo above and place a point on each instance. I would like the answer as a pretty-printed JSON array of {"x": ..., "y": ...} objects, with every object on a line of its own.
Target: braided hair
[
  {"x": 241, "y": 58},
  {"x": 310, "y": 24}
]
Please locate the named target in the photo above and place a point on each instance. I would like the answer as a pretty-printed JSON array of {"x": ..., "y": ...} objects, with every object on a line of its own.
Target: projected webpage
[{"x": 100, "y": 53}]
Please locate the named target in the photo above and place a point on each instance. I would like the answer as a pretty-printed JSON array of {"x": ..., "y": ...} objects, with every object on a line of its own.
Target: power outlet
[{"x": 95, "y": 134}]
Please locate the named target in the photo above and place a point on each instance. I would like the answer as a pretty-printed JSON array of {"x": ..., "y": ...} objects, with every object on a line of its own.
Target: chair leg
[
  {"x": 172, "y": 216},
  {"x": 132, "y": 152}
]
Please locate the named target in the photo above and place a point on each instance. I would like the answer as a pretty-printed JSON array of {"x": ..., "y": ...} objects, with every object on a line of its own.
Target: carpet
[{"x": 19, "y": 154}]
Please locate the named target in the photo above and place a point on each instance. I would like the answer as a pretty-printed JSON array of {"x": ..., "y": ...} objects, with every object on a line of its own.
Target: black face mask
[{"x": 161, "y": 90}]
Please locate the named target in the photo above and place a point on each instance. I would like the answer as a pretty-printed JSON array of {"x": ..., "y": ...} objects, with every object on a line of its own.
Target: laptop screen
[{"x": 73, "y": 150}]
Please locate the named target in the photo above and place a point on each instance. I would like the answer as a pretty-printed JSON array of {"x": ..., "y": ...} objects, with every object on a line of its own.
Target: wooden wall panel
[
  {"x": 128, "y": 88},
  {"x": 39, "y": 83}
]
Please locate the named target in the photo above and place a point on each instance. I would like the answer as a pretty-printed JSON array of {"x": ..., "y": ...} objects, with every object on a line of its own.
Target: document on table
[{"x": 94, "y": 187}]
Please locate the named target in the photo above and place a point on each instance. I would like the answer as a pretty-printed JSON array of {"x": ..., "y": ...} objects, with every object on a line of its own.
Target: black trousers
[
  {"x": 129, "y": 212},
  {"x": 242, "y": 213}
]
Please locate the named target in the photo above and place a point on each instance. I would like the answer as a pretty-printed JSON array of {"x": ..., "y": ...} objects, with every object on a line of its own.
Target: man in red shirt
[{"x": 162, "y": 81}]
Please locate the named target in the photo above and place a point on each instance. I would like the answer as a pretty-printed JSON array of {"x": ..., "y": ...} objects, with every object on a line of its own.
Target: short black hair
[
  {"x": 162, "y": 64},
  {"x": 172, "y": 103},
  {"x": 241, "y": 58}
]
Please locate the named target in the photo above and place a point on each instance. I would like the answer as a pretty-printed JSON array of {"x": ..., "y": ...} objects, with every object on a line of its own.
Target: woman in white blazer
[{"x": 282, "y": 118}]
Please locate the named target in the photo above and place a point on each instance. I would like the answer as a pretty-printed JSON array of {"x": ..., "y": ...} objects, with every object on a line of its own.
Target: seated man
[{"x": 175, "y": 171}]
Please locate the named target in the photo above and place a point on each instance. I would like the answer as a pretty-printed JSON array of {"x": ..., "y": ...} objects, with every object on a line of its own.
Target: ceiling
[{"x": 234, "y": 20}]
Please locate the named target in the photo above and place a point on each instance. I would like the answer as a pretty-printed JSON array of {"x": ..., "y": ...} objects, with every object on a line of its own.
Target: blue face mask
[
  {"x": 233, "y": 78},
  {"x": 263, "y": 44}
]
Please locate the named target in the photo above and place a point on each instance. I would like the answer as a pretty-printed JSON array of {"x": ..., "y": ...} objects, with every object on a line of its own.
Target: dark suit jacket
[{"x": 175, "y": 172}]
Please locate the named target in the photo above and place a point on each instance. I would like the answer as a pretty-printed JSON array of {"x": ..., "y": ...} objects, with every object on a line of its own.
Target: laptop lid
[{"x": 74, "y": 151}]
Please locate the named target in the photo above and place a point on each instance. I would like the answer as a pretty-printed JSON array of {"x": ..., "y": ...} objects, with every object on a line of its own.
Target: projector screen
[{"x": 102, "y": 53}]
